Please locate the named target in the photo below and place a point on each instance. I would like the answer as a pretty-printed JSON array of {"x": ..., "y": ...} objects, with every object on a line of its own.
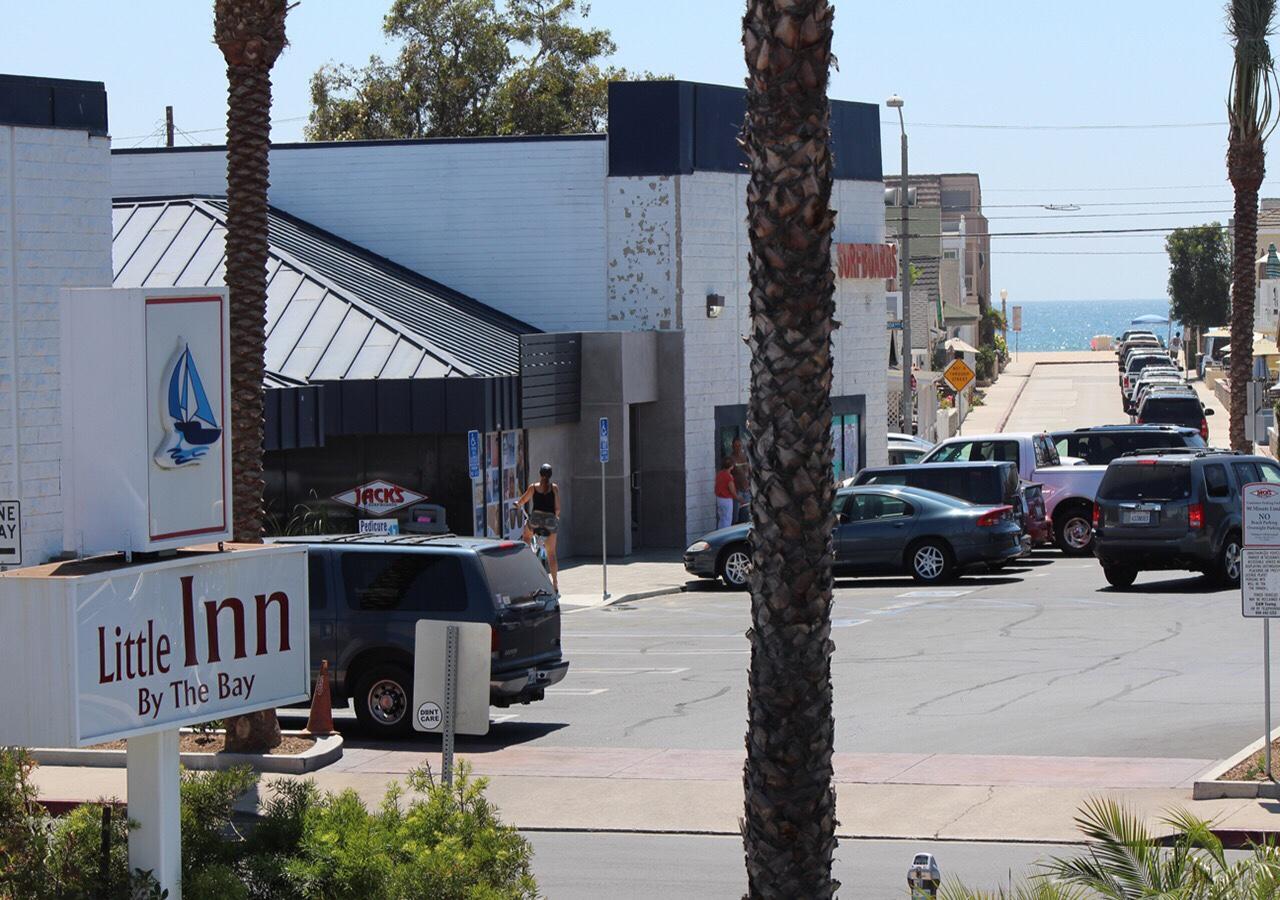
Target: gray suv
[
  {"x": 369, "y": 591},
  {"x": 1174, "y": 509}
]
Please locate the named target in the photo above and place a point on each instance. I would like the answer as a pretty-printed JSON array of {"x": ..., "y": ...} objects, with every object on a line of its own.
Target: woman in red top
[{"x": 726, "y": 494}]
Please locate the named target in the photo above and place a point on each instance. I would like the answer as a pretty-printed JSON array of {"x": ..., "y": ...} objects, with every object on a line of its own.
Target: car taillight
[
  {"x": 1097, "y": 515},
  {"x": 1195, "y": 515},
  {"x": 1204, "y": 429},
  {"x": 994, "y": 516},
  {"x": 1140, "y": 422}
]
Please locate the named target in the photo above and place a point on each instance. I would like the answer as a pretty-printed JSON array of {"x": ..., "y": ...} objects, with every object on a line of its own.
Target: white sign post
[
  {"x": 1260, "y": 578},
  {"x": 451, "y": 663},
  {"x": 10, "y": 533},
  {"x": 604, "y": 523}
]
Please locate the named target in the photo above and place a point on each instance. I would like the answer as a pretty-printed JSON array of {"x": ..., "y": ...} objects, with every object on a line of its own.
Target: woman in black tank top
[{"x": 544, "y": 517}]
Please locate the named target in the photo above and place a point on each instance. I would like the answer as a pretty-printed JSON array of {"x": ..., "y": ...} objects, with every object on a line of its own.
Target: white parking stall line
[
  {"x": 633, "y": 671},
  {"x": 661, "y": 636},
  {"x": 577, "y": 692},
  {"x": 499, "y": 718},
  {"x": 848, "y": 623},
  {"x": 715, "y": 651},
  {"x": 935, "y": 593}
]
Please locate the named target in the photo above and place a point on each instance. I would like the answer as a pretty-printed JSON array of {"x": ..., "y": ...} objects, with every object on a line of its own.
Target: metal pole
[
  {"x": 1266, "y": 687},
  {"x": 450, "y": 702},
  {"x": 904, "y": 244},
  {"x": 604, "y": 541}
]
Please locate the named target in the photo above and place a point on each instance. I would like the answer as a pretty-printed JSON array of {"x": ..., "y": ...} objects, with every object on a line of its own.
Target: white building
[
  {"x": 55, "y": 232},
  {"x": 636, "y": 239}
]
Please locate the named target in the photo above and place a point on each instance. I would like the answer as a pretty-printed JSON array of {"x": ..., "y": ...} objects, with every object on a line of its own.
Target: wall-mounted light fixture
[{"x": 715, "y": 305}]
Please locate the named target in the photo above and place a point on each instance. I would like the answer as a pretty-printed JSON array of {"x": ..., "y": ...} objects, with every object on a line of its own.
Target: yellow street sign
[{"x": 958, "y": 375}]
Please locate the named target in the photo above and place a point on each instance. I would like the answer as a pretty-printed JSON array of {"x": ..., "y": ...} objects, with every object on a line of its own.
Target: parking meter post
[
  {"x": 604, "y": 541},
  {"x": 450, "y": 703}
]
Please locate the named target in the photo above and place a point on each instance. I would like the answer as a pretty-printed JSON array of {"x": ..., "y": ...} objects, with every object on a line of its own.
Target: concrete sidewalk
[
  {"x": 643, "y": 574},
  {"x": 681, "y": 791}
]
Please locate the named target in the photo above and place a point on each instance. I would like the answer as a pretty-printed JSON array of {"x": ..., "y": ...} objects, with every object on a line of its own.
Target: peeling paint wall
[{"x": 642, "y": 263}]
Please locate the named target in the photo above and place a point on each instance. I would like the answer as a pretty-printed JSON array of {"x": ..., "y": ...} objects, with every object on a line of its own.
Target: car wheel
[
  {"x": 930, "y": 562},
  {"x": 1119, "y": 576},
  {"x": 384, "y": 700},
  {"x": 1073, "y": 529},
  {"x": 1229, "y": 563},
  {"x": 735, "y": 566}
]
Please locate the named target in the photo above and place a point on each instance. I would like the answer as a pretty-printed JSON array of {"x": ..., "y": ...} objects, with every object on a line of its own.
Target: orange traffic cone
[{"x": 320, "y": 721}]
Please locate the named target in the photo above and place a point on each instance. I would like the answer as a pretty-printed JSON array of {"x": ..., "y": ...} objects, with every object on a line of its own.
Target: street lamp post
[
  {"x": 904, "y": 247},
  {"x": 1004, "y": 318}
]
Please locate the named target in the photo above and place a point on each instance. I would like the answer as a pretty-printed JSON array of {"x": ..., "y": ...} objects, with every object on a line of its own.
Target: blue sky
[{"x": 992, "y": 62}]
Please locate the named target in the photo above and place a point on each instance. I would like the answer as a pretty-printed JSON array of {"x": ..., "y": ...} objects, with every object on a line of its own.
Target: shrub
[{"x": 435, "y": 842}]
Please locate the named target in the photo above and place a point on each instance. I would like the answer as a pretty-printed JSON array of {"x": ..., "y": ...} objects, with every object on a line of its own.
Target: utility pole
[
  {"x": 168, "y": 126},
  {"x": 904, "y": 247}
]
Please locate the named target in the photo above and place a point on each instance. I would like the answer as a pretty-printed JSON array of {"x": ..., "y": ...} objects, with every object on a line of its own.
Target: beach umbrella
[
  {"x": 1273, "y": 263},
  {"x": 1150, "y": 319}
]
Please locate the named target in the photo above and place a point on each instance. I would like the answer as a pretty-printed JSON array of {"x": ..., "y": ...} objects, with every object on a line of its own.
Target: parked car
[
  {"x": 883, "y": 530},
  {"x": 1174, "y": 406},
  {"x": 983, "y": 483},
  {"x": 1148, "y": 378},
  {"x": 903, "y": 454},
  {"x": 1133, "y": 333},
  {"x": 1174, "y": 509},
  {"x": 1035, "y": 518},
  {"x": 896, "y": 437},
  {"x": 1068, "y": 488},
  {"x": 1137, "y": 361},
  {"x": 369, "y": 591},
  {"x": 1138, "y": 341},
  {"x": 1100, "y": 444}
]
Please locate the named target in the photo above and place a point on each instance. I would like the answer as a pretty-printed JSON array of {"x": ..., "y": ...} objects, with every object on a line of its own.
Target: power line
[
  {"x": 1113, "y": 126},
  {"x": 1118, "y": 215},
  {"x": 220, "y": 128},
  {"x": 986, "y": 206},
  {"x": 1079, "y": 252},
  {"x": 1148, "y": 187}
]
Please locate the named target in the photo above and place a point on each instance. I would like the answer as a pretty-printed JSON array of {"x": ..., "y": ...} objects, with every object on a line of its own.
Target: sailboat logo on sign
[{"x": 186, "y": 414}]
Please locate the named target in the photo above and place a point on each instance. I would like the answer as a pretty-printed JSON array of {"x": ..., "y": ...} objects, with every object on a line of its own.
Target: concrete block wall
[
  {"x": 55, "y": 232},
  {"x": 642, "y": 252},
  {"x": 713, "y": 259},
  {"x": 516, "y": 224}
]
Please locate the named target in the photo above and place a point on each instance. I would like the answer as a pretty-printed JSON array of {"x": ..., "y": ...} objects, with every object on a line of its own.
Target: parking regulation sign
[
  {"x": 1260, "y": 583},
  {"x": 604, "y": 439},
  {"x": 473, "y": 453},
  {"x": 10, "y": 533},
  {"x": 1261, "y": 514}
]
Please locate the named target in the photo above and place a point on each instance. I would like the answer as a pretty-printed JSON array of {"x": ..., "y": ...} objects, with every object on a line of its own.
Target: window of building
[
  {"x": 957, "y": 201},
  {"x": 950, "y": 254}
]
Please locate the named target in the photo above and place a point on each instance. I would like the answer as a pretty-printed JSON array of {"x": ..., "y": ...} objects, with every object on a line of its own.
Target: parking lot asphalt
[{"x": 1042, "y": 659}]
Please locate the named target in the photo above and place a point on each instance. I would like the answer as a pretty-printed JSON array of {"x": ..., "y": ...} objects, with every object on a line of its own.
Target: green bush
[{"x": 434, "y": 842}]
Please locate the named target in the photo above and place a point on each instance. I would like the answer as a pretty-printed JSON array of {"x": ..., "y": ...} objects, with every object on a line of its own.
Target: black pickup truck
[{"x": 368, "y": 591}]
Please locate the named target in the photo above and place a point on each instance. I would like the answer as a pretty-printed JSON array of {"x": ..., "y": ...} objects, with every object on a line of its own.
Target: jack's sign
[
  {"x": 97, "y": 650},
  {"x": 378, "y": 497}
]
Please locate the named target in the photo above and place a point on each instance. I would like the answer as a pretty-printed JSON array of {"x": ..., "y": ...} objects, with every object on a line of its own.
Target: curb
[
  {"x": 327, "y": 749},
  {"x": 1017, "y": 396},
  {"x": 627, "y": 598},
  {"x": 1207, "y": 786}
]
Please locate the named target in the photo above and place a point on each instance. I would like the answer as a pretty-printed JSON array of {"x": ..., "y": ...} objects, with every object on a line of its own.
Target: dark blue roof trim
[
  {"x": 53, "y": 103},
  {"x": 679, "y": 127},
  {"x": 312, "y": 145}
]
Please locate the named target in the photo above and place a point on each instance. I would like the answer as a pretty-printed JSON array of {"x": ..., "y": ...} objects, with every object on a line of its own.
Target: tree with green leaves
[
  {"x": 467, "y": 68},
  {"x": 1199, "y": 279},
  {"x": 1251, "y": 120}
]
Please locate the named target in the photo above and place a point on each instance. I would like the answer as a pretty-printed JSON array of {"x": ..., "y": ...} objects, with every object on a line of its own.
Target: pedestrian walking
[
  {"x": 726, "y": 494},
  {"x": 741, "y": 481},
  {"x": 1175, "y": 348}
]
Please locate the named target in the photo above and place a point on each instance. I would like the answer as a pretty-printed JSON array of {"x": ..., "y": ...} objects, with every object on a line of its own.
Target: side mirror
[{"x": 1208, "y": 412}]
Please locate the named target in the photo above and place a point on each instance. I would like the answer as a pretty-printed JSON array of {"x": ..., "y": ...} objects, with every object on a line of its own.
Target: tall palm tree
[
  {"x": 1250, "y": 114},
  {"x": 789, "y": 827},
  {"x": 250, "y": 34}
]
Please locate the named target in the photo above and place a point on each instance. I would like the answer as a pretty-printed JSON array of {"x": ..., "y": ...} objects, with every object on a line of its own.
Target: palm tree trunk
[
  {"x": 1246, "y": 166},
  {"x": 251, "y": 35},
  {"x": 789, "y": 827}
]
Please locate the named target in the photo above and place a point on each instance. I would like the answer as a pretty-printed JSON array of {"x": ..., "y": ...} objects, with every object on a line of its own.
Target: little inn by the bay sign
[{"x": 114, "y": 650}]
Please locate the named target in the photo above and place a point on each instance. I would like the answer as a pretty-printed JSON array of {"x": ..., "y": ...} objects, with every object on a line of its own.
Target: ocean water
[{"x": 1068, "y": 324}]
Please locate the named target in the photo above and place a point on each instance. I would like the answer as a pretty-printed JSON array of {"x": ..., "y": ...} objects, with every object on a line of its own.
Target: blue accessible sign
[
  {"x": 604, "y": 439},
  {"x": 473, "y": 453}
]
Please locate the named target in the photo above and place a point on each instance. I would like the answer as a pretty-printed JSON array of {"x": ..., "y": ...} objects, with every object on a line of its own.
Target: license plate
[
  {"x": 1138, "y": 517},
  {"x": 533, "y": 676}
]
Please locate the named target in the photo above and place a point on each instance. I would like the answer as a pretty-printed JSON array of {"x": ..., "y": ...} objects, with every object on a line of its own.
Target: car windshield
[
  {"x": 1174, "y": 410},
  {"x": 1145, "y": 481},
  {"x": 513, "y": 572}
]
